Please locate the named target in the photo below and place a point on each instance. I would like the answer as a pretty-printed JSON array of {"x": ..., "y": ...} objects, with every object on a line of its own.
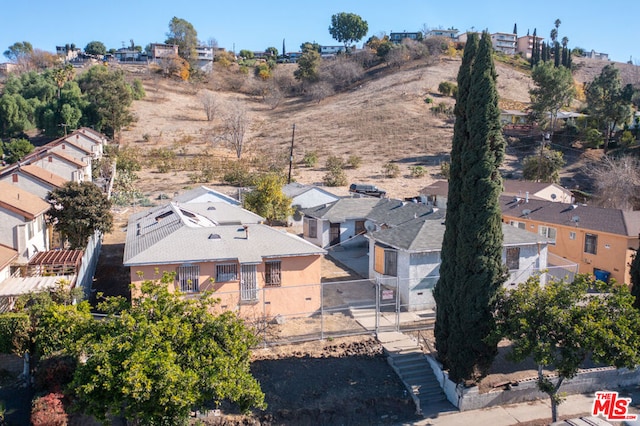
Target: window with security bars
[
  {"x": 226, "y": 272},
  {"x": 272, "y": 273},
  {"x": 188, "y": 277},
  {"x": 591, "y": 244}
]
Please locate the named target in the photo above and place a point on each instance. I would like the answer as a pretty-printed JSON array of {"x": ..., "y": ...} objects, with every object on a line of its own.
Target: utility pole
[{"x": 293, "y": 134}]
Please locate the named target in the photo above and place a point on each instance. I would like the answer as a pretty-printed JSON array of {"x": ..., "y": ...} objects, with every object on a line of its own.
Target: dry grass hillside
[{"x": 380, "y": 119}]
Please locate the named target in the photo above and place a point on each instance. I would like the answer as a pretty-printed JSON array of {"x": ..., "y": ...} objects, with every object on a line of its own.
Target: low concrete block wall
[{"x": 590, "y": 380}]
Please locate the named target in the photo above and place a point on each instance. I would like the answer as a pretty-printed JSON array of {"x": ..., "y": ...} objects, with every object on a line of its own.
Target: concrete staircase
[{"x": 411, "y": 365}]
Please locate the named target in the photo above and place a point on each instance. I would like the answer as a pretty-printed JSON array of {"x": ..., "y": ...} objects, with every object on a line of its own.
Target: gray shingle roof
[
  {"x": 343, "y": 209},
  {"x": 395, "y": 212},
  {"x": 424, "y": 235},
  {"x": 613, "y": 221},
  {"x": 172, "y": 234}
]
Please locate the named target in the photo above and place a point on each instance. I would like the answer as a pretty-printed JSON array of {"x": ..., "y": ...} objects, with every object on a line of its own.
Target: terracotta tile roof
[
  {"x": 7, "y": 255},
  {"x": 44, "y": 175},
  {"x": 21, "y": 202}
]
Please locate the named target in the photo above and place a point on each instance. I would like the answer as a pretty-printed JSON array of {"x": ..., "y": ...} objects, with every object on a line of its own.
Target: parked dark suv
[{"x": 370, "y": 190}]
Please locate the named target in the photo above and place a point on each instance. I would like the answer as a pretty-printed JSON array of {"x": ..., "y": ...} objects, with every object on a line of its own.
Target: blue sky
[{"x": 611, "y": 27}]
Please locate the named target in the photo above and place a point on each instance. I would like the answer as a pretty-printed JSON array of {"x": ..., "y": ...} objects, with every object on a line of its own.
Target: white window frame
[
  {"x": 519, "y": 225},
  {"x": 548, "y": 232}
]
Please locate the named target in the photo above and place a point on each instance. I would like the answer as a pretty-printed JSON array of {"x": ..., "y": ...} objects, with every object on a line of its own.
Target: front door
[
  {"x": 248, "y": 283},
  {"x": 334, "y": 234}
]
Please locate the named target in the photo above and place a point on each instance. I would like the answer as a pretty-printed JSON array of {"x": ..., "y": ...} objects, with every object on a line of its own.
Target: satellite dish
[
  {"x": 575, "y": 219},
  {"x": 526, "y": 212},
  {"x": 369, "y": 226}
]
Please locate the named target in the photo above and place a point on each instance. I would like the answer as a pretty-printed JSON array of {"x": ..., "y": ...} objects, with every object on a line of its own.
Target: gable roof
[
  {"x": 173, "y": 235},
  {"x": 343, "y": 209},
  {"x": 43, "y": 175},
  {"x": 204, "y": 194},
  {"x": 512, "y": 187},
  {"x": 21, "y": 202},
  {"x": 7, "y": 255},
  {"x": 294, "y": 189},
  {"x": 71, "y": 142},
  {"x": 44, "y": 151},
  {"x": 426, "y": 235},
  {"x": 395, "y": 212},
  {"x": 613, "y": 221}
]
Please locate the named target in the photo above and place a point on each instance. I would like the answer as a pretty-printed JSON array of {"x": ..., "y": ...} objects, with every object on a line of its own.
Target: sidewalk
[{"x": 529, "y": 413}]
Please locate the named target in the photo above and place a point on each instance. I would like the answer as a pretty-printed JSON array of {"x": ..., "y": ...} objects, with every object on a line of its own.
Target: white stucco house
[
  {"x": 339, "y": 223},
  {"x": 304, "y": 197},
  {"x": 22, "y": 222},
  {"x": 410, "y": 253}
]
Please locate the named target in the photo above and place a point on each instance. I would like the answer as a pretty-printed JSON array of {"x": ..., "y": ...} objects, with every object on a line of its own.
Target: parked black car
[{"x": 370, "y": 190}]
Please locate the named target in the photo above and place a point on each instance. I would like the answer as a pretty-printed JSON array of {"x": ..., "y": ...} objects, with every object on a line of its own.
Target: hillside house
[
  {"x": 504, "y": 42},
  {"x": 524, "y": 45},
  {"x": 22, "y": 221},
  {"x": 204, "y": 194},
  {"x": 32, "y": 178},
  {"x": 436, "y": 194},
  {"x": 254, "y": 269},
  {"x": 410, "y": 254},
  {"x": 304, "y": 197},
  {"x": 601, "y": 241},
  {"x": 339, "y": 223},
  {"x": 397, "y": 37},
  {"x": 89, "y": 140},
  {"x": 450, "y": 33},
  {"x": 61, "y": 164}
]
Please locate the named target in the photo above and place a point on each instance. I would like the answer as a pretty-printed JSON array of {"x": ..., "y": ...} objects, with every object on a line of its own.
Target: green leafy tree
[
  {"x": 560, "y": 324},
  {"x": 608, "y": 102},
  {"x": 16, "y": 115},
  {"x": 470, "y": 280},
  {"x": 543, "y": 167},
  {"x": 308, "y": 66},
  {"x": 157, "y": 358},
  {"x": 78, "y": 210},
  {"x": 246, "y": 54},
  {"x": 62, "y": 75},
  {"x": 554, "y": 90},
  {"x": 16, "y": 149},
  {"x": 272, "y": 52},
  {"x": 18, "y": 50},
  {"x": 309, "y": 46},
  {"x": 63, "y": 114},
  {"x": 268, "y": 200},
  {"x": 96, "y": 48},
  {"x": 182, "y": 33},
  {"x": 348, "y": 28},
  {"x": 634, "y": 271},
  {"x": 109, "y": 98}
]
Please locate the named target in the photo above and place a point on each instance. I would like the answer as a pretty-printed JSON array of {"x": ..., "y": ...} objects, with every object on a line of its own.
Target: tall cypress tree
[
  {"x": 445, "y": 292},
  {"x": 472, "y": 270}
]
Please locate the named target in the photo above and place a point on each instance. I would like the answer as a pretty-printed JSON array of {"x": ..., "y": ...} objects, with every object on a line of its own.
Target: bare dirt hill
[{"x": 382, "y": 119}]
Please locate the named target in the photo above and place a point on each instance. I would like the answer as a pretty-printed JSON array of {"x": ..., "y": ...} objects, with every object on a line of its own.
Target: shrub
[
  {"x": 594, "y": 138},
  {"x": 428, "y": 100},
  {"x": 49, "y": 410},
  {"x": 417, "y": 171},
  {"x": 447, "y": 88},
  {"x": 391, "y": 170},
  {"x": 627, "y": 138},
  {"x": 445, "y": 169},
  {"x": 354, "y": 161},
  {"x": 310, "y": 159},
  {"x": 334, "y": 162},
  {"x": 240, "y": 175},
  {"x": 335, "y": 177},
  {"x": 442, "y": 108}
]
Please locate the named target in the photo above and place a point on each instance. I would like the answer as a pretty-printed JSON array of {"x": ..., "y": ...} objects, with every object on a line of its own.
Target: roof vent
[
  {"x": 214, "y": 236},
  {"x": 211, "y": 208},
  {"x": 575, "y": 219},
  {"x": 526, "y": 212},
  {"x": 574, "y": 206}
]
